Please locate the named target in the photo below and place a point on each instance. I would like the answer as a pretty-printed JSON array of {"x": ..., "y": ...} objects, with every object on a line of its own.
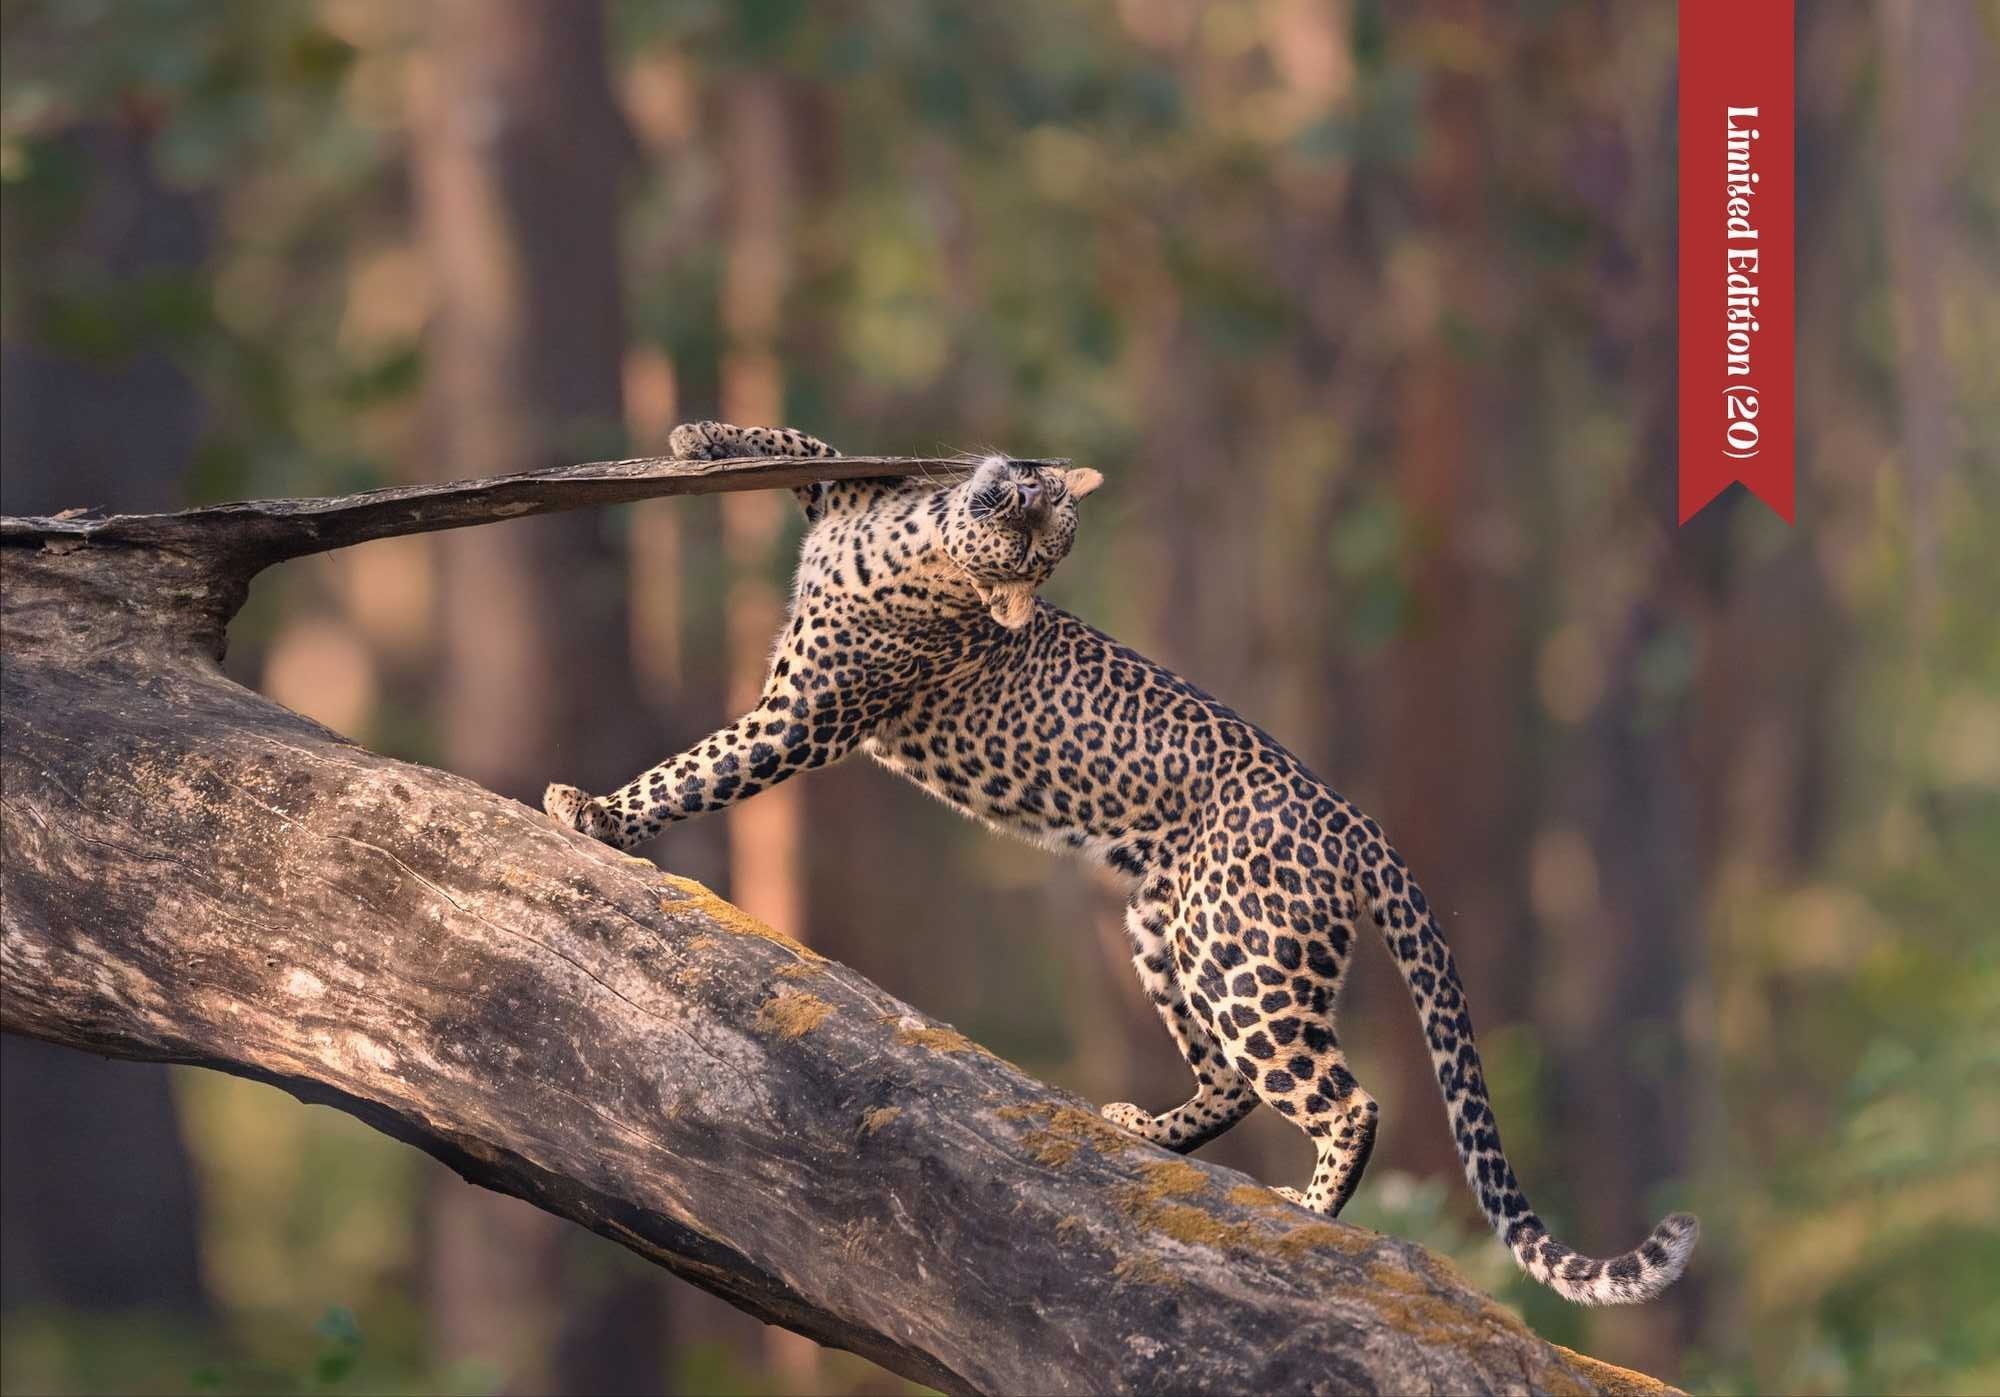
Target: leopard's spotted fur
[{"x": 915, "y": 636}]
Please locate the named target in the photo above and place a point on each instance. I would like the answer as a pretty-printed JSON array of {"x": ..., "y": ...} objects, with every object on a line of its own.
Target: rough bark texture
[{"x": 194, "y": 874}]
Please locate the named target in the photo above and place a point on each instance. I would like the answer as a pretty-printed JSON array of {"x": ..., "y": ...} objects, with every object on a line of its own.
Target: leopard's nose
[{"x": 1031, "y": 494}]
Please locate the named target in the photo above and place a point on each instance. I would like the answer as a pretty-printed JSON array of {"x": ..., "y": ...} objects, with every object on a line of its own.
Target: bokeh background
[{"x": 1365, "y": 309}]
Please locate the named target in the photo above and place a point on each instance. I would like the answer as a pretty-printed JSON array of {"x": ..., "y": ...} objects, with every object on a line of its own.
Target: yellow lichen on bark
[
  {"x": 728, "y": 916},
  {"x": 1615, "y": 1381},
  {"x": 793, "y": 1013}
]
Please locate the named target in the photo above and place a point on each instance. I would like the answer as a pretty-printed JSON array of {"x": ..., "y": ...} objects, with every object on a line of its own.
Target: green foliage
[
  {"x": 241, "y": 114},
  {"x": 44, "y": 1351},
  {"x": 326, "y": 1371},
  {"x": 1861, "y": 1074},
  {"x": 1370, "y": 550}
]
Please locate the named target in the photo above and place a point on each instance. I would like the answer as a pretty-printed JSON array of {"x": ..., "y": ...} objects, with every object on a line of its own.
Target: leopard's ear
[
  {"x": 1081, "y": 481},
  {"x": 1011, "y": 604}
]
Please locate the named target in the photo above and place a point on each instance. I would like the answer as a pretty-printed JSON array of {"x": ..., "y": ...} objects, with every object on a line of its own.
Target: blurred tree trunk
[
  {"x": 673, "y": 552},
  {"x": 764, "y": 835},
  {"x": 98, "y": 1201},
  {"x": 674, "y": 546},
  {"x": 1934, "y": 54},
  {"x": 766, "y": 867},
  {"x": 1627, "y": 809},
  {"x": 1456, "y": 722},
  {"x": 518, "y": 151}
]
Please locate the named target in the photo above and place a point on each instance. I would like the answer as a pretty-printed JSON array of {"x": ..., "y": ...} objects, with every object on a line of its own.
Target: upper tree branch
[
  {"x": 194, "y": 874},
  {"x": 262, "y": 532}
]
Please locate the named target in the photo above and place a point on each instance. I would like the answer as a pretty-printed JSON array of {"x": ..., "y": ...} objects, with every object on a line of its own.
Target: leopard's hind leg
[
  {"x": 1222, "y": 1096},
  {"x": 1332, "y": 1108},
  {"x": 1265, "y": 982}
]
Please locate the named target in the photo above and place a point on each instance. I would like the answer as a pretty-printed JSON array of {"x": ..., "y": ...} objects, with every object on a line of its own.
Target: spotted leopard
[{"x": 915, "y": 635}]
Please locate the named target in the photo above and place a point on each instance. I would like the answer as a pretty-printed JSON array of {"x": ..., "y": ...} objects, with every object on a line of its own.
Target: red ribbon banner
[{"x": 1736, "y": 192}]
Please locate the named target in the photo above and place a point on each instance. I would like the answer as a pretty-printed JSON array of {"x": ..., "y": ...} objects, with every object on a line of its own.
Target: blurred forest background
[{"x": 1367, "y": 312}]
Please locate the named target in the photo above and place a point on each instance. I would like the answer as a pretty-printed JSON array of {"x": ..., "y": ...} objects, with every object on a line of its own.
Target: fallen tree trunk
[{"x": 194, "y": 874}]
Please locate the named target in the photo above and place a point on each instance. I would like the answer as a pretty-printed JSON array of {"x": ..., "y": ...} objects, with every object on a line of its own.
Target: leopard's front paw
[
  {"x": 573, "y": 809},
  {"x": 723, "y": 441},
  {"x": 1126, "y": 1116},
  {"x": 703, "y": 441},
  {"x": 1291, "y": 1195}
]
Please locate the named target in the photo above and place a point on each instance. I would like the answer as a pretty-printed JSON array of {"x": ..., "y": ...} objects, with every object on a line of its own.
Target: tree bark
[{"x": 197, "y": 875}]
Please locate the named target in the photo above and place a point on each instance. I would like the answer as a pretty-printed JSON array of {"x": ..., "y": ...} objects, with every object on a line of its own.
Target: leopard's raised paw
[{"x": 702, "y": 441}]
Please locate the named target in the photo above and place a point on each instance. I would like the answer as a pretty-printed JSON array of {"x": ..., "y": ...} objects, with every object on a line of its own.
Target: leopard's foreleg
[{"x": 782, "y": 736}]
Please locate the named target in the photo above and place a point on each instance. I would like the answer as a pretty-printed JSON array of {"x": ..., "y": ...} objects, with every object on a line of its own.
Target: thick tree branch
[{"x": 194, "y": 874}]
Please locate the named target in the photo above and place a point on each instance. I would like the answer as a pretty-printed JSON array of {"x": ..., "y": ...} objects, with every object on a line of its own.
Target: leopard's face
[{"x": 1009, "y": 525}]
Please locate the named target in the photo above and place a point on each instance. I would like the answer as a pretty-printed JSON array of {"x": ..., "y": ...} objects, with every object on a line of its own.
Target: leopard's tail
[{"x": 1415, "y": 940}]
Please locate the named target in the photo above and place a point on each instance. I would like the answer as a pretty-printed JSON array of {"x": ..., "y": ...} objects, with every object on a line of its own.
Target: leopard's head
[{"x": 1009, "y": 525}]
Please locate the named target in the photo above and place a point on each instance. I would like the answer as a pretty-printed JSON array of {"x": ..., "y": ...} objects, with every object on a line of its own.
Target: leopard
[{"x": 917, "y": 635}]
